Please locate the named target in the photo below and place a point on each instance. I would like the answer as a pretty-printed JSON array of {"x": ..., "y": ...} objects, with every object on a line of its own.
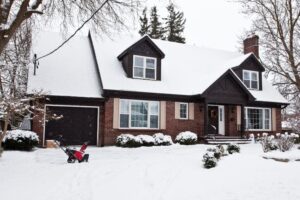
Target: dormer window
[
  {"x": 250, "y": 79},
  {"x": 144, "y": 67}
]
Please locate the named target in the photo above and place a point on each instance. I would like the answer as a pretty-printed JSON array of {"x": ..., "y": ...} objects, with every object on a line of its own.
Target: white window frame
[
  {"x": 264, "y": 118},
  {"x": 257, "y": 75},
  {"x": 187, "y": 110},
  {"x": 149, "y": 114},
  {"x": 144, "y": 67}
]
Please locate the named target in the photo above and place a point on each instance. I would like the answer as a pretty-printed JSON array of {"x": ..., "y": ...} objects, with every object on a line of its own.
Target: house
[{"x": 106, "y": 87}]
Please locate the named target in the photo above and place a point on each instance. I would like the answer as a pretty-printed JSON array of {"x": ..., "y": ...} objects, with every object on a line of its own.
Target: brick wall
[
  {"x": 173, "y": 126},
  {"x": 37, "y": 125},
  {"x": 231, "y": 121}
]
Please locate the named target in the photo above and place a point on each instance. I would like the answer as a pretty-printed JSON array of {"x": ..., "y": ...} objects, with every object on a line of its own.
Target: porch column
[
  {"x": 205, "y": 109},
  {"x": 242, "y": 120}
]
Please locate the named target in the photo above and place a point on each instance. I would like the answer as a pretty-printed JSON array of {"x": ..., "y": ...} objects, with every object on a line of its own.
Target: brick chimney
[{"x": 251, "y": 45}]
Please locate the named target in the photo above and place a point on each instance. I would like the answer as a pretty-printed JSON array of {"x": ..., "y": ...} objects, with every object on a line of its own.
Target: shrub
[
  {"x": 186, "y": 138},
  {"x": 128, "y": 140},
  {"x": 286, "y": 141},
  {"x": 20, "y": 140},
  {"x": 268, "y": 143},
  {"x": 233, "y": 148},
  {"x": 216, "y": 152},
  {"x": 146, "y": 140},
  {"x": 209, "y": 160},
  {"x": 222, "y": 150},
  {"x": 162, "y": 140}
]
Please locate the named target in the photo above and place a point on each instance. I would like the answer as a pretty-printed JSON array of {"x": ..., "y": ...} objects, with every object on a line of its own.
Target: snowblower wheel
[{"x": 71, "y": 160}]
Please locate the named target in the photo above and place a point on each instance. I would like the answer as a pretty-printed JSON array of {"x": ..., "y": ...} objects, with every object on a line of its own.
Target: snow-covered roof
[
  {"x": 71, "y": 71},
  {"x": 186, "y": 69}
]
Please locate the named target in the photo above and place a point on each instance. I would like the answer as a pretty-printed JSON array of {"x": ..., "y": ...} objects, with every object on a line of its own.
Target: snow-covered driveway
[{"x": 147, "y": 173}]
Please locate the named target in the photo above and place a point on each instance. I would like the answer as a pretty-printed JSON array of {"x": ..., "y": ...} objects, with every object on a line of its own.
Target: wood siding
[{"x": 142, "y": 49}]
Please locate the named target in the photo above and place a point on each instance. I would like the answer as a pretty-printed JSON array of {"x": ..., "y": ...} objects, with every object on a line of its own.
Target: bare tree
[
  {"x": 113, "y": 13},
  {"x": 278, "y": 25}
]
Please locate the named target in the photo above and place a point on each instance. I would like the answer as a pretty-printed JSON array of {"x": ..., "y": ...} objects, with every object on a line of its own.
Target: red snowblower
[{"x": 72, "y": 153}]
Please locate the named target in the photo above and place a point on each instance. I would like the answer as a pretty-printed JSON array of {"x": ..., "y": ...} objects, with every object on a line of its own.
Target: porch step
[{"x": 221, "y": 139}]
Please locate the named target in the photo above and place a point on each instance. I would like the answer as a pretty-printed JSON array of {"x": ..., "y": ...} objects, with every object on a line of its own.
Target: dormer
[
  {"x": 142, "y": 60},
  {"x": 250, "y": 71}
]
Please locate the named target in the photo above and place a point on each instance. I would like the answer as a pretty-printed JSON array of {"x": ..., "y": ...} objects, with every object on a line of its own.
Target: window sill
[
  {"x": 257, "y": 130},
  {"x": 139, "y": 129}
]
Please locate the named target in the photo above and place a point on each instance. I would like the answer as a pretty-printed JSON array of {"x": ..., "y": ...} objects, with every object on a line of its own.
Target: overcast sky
[{"x": 210, "y": 23}]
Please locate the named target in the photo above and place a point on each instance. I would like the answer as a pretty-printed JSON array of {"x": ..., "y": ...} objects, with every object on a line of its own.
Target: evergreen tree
[
  {"x": 144, "y": 23},
  {"x": 156, "y": 29},
  {"x": 175, "y": 22}
]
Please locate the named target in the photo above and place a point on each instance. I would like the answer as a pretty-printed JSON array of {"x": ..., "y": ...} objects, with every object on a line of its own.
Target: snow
[
  {"x": 71, "y": 71},
  {"x": 18, "y": 134},
  {"x": 186, "y": 69},
  {"x": 150, "y": 173},
  {"x": 186, "y": 135},
  {"x": 291, "y": 155}
]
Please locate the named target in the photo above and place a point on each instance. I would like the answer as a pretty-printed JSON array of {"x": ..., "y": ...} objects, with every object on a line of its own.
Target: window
[
  {"x": 144, "y": 67},
  {"x": 250, "y": 78},
  {"x": 139, "y": 114},
  {"x": 258, "y": 118},
  {"x": 183, "y": 110}
]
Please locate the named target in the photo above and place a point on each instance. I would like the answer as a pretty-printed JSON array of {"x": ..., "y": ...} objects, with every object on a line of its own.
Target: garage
[{"x": 78, "y": 124}]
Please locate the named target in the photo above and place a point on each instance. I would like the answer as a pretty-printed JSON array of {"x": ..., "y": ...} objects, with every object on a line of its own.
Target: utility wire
[{"x": 71, "y": 36}]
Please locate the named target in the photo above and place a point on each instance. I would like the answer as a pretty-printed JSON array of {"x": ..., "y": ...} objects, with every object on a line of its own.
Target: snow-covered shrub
[
  {"x": 209, "y": 160},
  {"x": 20, "y": 140},
  {"x": 146, "y": 140},
  {"x": 162, "y": 140},
  {"x": 268, "y": 143},
  {"x": 128, "y": 140},
  {"x": 216, "y": 152},
  {"x": 186, "y": 138},
  {"x": 286, "y": 141},
  {"x": 233, "y": 148}
]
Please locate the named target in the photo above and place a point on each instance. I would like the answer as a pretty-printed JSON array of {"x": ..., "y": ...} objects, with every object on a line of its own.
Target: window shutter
[
  {"x": 273, "y": 119},
  {"x": 177, "y": 114},
  {"x": 191, "y": 111},
  {"x": 116, "y": 113},
  {"x": 163, "y": 115}
]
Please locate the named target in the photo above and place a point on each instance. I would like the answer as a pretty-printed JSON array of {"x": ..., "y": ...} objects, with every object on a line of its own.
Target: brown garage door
[{"x": 79, "y": 124}]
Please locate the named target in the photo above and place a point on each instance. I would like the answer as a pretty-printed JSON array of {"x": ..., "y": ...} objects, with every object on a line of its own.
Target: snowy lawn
[{"x": 147, "y": 173}]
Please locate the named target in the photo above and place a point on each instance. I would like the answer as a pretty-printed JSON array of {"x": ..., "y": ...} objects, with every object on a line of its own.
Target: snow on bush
[
  {"x": 186, "y": 138},
  {"x": 147, "y": 140},
  {"x": 128, "y": 140},
  {"x": 162, "y": 140},
  {"x": 233, "y": 148},
  {"x": 158, "y": 139},
  {"x": 20, "y": 140},
  {"x": 283, "y": 142},
  {"x": 216, "y": 151},
  {"x": 286, "y": 141},
  {"x": 268, "y": 143},
  {"x": 209, "y": 160}
]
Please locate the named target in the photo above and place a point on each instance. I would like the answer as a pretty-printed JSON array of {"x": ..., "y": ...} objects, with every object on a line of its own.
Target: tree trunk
[{"x": 2, "y": 135}]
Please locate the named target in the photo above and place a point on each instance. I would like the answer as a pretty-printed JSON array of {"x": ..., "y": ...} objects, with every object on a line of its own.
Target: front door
[
  {"x": 216, "y": 120},
  {"x": 213, "y": 120}
]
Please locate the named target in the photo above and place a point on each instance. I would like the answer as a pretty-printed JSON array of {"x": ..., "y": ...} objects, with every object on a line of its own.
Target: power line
[{"x": 71, "y": 36}]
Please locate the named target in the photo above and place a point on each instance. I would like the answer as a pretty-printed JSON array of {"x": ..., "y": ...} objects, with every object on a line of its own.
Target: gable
[
  {"x": 227, "y": 89},
  {"x": 251, "y": 64},
  {"x": 144, "y": 47}
]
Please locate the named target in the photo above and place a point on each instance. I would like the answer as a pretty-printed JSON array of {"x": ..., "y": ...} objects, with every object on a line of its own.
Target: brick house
[{"x": 106, "y": 87}]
